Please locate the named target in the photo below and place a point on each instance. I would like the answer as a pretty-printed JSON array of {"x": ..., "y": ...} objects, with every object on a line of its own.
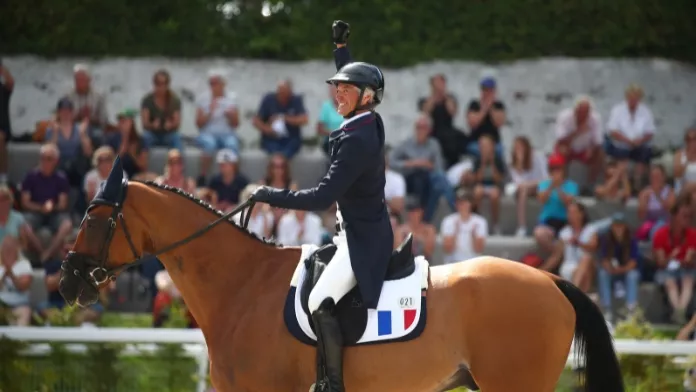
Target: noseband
[{"x": 98, "y": 274}]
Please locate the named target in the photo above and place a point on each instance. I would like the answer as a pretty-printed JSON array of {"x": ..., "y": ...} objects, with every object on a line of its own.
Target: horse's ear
[{"x": 113, "y": 184}]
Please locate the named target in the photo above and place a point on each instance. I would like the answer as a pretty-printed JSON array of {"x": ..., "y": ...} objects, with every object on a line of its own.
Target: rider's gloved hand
[
  {"x": 260, "y": 194},
  {"x": 340, "y": 32}
]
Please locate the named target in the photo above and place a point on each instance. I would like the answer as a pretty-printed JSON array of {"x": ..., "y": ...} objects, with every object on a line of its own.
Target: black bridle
[{"x": 98, "y": 274}]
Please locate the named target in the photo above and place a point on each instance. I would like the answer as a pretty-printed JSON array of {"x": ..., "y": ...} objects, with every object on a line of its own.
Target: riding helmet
[{"x": 362, "y": 75}]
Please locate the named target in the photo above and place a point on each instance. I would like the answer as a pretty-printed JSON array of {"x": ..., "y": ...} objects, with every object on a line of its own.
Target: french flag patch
[{"x": 389, "y": 322}]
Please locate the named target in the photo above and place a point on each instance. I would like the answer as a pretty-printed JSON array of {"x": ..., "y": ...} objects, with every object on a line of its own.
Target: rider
[{"x": 355, "y": 180}]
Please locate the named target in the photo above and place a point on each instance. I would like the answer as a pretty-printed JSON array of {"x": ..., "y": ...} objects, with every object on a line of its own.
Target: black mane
[{"x": 207, "y": 206}]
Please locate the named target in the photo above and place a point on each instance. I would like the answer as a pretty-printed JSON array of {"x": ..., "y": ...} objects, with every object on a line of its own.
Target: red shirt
[
  {"x": 162, "y": 301},
  {"x": 663, "y": 240}
]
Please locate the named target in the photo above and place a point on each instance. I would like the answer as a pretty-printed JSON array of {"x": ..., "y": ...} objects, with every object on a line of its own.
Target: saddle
[{"x": 350, "y": 310}]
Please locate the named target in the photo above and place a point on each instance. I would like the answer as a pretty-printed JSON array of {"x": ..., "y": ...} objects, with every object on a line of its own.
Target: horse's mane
[{"x": 207, "y": 206}]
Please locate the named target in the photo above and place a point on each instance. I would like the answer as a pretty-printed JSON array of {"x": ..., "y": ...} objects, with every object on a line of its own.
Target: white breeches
[{"x": 338, "y": 277}]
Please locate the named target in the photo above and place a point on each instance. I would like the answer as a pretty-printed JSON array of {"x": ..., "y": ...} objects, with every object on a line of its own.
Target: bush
[
  {"x": 387, "y": 32},
  {"x": 100, "y": 367}
]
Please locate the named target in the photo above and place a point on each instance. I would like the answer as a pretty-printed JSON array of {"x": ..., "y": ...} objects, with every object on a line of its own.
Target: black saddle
[{"x": 350, "y": 310}]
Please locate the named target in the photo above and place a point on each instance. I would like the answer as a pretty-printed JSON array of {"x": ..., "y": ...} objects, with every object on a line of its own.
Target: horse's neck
[{"x": 219, "y": 273}]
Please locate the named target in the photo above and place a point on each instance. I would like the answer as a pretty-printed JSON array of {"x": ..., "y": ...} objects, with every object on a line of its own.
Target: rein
[{"x": 100, "y": 274}]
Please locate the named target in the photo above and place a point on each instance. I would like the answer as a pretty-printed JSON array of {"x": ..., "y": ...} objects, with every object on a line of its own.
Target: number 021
[{"x": 406, "y": 302}]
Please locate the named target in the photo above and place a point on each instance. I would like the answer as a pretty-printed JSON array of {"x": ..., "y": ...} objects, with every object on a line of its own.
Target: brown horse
[{"x": 492, "y": 324}]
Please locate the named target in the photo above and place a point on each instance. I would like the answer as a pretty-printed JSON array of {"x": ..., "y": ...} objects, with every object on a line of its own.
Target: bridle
[{"x": 98, "y": 274}]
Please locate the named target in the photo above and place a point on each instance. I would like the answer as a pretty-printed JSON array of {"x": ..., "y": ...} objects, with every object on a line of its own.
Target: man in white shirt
[
  {"x": 15, "y": 281},
  {"x": 630, "y": 131},
  {"x": 394, "y": 188},
  {"x": 300, "y": 227},
  {"x": 579, "y": 136},
  {"x": 463, "y": 232}
]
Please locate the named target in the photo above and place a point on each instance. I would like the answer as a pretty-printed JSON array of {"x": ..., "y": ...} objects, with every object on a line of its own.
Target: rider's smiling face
[{"x": 347, "y": 97}]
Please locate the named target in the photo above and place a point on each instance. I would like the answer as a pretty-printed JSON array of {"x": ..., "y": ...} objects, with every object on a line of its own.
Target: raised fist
[{"x": 340, "y": 32}]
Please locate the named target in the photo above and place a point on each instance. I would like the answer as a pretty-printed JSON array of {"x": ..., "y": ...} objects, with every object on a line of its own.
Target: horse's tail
[{"x": 593, "y": 341}]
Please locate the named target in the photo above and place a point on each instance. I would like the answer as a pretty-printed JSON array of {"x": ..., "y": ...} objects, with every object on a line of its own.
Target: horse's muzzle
[{"x": 76, "y": 285}]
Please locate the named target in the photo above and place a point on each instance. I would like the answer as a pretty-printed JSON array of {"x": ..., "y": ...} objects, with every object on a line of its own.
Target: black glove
[
  {"x": 260, "y": 194},
  {"x": 341, "y": 32}
]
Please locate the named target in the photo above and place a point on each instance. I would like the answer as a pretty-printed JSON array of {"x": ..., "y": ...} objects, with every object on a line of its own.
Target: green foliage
[
  {"x": 394, "y": 33},
  {"x": 99, "y": 367},
  {"x": 643, "y": 373}
]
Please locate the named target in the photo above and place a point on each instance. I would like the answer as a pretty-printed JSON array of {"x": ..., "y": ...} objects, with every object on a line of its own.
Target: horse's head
[{"x": 104, "y": 243}]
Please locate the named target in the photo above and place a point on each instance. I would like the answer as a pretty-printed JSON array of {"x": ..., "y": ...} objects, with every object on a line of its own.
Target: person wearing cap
[
  {"x": 630, "y": 131},
  {"x": 579, "y": 136},
  {"x": 619, "y": 263},
  {"x": 485, "y": 116},
  {"x": 280, "y": 117},
  {"x": 89, "y": 104},
  {"x": 229, "y": 183},
  {"x": 6, "y": 89},
  {"x": 554, "y": 194},
  {"x": 355, "y": 181},
  {"x": 73, "y": 141},
  {"x": 217, "y": 119},
  {"x": 463, "y": 232}
]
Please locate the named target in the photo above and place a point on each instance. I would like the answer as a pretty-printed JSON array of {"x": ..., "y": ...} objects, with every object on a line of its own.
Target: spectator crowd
[{"x": 444, "y": 185}]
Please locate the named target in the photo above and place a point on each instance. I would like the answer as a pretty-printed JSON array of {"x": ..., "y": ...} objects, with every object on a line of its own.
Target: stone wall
[{"x": 534, "y": 90}]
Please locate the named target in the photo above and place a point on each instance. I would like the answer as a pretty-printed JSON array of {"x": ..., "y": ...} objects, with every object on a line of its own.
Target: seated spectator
[
  {"x": 419, "y": 160},
  {"x": 45, "y": 199},
  {"x": 619, "y": 263},
  {"x": 463, "y": 232},
  {"x": 674, "y": 249},
  {"x": 630, "y": 132},
  {"x": 278, "y": 176},
  {"x": 572, "y": 258},
  {"x": 485, "y": 116},
  {"x": 89, "y": 104},
  {"x": 300, "y": 227},
  {"x": 685, "y": 164},
  {"x": 279, "y": 119},
  {"x": 329, "y": 119},
  {"x": 489, "y": 173},
  {"x": 160, "y": 114},
  {"x": 55, "y": 301},
  {"x": 102, "y": 160},
  {"x": 12, "y": 222},
  {"x": 441, "y": 106},
  {"x": 616, "y": 186},
  {"x": 128, "y": 137},
  {"x": 6, "y": 89},
  {"x": 174, "y": 174},
  {"x": 217, "y": 118},
  {"x": 262, "y": 221},
  {"x": 424, "y": 234},
  {"x": 527, "y": 171},
  {"x": 654, "y": 203},
  {"x": 229, "y": 183},
  {"x": 579, "y": 136},
  {"x": 15, "y": 282},
  {"x": 394, "y": 188},
  {"x": 554, "y": 195},
  {"x": 73, "y": 142},
  {"x": 167, "y": 294}
]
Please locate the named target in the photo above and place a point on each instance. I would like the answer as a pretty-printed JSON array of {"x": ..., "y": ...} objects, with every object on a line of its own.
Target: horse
[{"x": 492, "y": 324}]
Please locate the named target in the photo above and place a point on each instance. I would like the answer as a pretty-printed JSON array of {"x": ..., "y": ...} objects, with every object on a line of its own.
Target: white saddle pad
[{"x": 398, "y": 311}]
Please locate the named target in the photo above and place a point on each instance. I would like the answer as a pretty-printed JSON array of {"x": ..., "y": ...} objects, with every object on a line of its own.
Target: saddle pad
[{"x": 401, "y": 307}]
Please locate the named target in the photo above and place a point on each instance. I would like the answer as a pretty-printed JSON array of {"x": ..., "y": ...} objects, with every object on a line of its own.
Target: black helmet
[{"x": 362, "y": 75}]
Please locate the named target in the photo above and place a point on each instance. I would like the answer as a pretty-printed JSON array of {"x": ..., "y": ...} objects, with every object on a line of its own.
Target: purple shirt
[{"x": 43, "y": 188}]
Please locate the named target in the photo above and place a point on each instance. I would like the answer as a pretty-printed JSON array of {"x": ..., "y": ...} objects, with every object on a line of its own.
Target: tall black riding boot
[{"x": 329, "y": 349}]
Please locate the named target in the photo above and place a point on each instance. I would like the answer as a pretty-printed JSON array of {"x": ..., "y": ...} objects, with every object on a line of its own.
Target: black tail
[{"x": 593, "y": 341}]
